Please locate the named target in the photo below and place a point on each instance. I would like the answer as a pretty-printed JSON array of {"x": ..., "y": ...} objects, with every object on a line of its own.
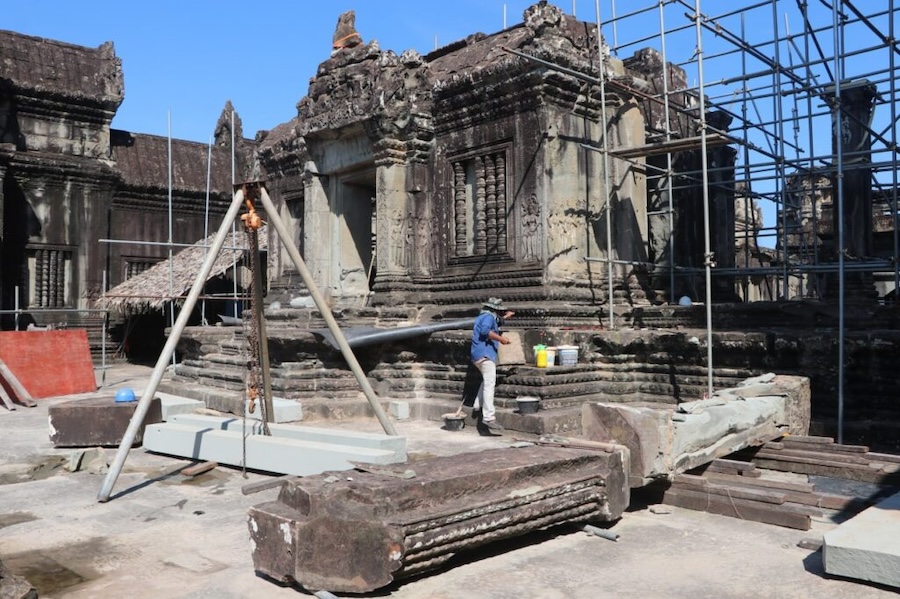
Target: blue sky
[{"x": 190, "y": 57}]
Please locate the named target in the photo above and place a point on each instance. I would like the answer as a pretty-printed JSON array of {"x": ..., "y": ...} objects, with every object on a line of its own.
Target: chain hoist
[{"x": 258, "y": 383}]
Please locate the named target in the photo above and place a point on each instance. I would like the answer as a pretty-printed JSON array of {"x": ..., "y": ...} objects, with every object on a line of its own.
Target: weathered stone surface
[
  {"x": 97, "y": 421},
  {"x": 15, "y": 587},
  {"x": 358, "y": 534},
  {"x": 865, "y": 547},
  {"x": 664, "y": 442}
]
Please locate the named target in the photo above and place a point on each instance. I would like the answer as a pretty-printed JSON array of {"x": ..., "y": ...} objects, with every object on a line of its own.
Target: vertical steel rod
[
  {"x": 606, "y": 192},
  {"x": 839, "y": 216},
  {"x": 780, "y": 195},
  {"x": 704, "y": 166},
  {"x": 206, "y": 216},
  {"x": 171, "y": 239},
  {"x": 893, "y": 103},
  {"x": 669, "y": 173}
]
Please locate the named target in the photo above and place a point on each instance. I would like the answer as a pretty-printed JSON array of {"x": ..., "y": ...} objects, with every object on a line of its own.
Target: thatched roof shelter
[{"x": 150, "y": 290}]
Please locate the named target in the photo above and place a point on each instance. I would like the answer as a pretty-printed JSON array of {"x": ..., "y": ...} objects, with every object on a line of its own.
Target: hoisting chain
[{"x": 255, "y": 390}]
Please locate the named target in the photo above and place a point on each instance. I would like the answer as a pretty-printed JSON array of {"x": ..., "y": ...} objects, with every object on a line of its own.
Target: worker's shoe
[
  {"x": 476, "y": 414},
  {"x": 492, "y": 425}
]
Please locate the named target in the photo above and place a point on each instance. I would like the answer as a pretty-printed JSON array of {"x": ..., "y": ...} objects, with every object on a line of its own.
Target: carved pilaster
[
  {"x": 490, "y": 182},
  {"x": 501, "y": 202},
  {"x": 459, "y": 201},
  {"x": 480, "y": 208}
]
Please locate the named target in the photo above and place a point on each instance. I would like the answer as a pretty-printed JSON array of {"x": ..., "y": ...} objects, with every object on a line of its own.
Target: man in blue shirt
[{"x": 485, "y": 338}]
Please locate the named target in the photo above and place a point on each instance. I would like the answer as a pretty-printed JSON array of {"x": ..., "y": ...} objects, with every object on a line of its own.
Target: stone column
[
  {"x": 394, "y": 229},
  {"x": 318, "y": 234},
  {"x": 857, "y": 100}
]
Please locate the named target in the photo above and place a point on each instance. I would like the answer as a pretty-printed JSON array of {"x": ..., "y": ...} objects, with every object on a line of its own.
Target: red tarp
[{"x": 49, "y": 363}]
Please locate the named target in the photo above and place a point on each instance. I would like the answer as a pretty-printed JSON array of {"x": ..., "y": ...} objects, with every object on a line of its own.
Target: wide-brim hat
[{"x": 494, "y": 303}]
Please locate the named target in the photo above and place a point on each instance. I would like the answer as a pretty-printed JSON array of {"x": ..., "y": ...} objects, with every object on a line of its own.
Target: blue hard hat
[{"x": 125, "y": 394}]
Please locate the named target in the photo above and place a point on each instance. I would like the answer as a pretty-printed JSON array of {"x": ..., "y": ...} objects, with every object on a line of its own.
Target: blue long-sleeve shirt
[{"x": 482, "y": 345}]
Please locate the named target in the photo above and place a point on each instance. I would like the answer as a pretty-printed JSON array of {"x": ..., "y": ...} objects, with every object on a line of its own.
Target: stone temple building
[
  {"x": 70, "y": 180},
  {"x": 417, "y": 186},
  {"x": 473, "y": 171}
]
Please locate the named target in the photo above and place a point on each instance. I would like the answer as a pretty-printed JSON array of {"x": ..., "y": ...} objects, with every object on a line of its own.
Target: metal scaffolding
[{"x": 810, "y": 88}]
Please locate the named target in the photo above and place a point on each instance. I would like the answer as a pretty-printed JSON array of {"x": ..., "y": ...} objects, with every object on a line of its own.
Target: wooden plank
[
  {"x": 828, "y": 501},
  {"x": 787, "y": 443},
  {"x": 733, "y": 464},
  {"x": 7, "y": 400},
  {"x": 264, "y": 485},
  {"x": 726, "y": 466},
  {"x": 700, "y": 484},
  {"x": 808, "y": 439},
  {"x": 802, "y": 493},
  {"x": 815, "y": 456},
  {"x": 834, "y": 469},
  {"x": 199, "y": 468},
  {"x": 883, "y": 457},
  {"x": 763, "y": 482},
  {"x": 22, "y": 394},
  {"x": 737, "y": 508}
]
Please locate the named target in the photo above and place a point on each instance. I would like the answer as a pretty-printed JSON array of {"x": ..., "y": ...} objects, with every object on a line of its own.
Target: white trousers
[{"x": 485, "y": 397}]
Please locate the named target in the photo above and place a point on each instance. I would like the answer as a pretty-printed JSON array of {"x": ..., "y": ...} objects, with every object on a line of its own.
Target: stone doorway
[{"x": 354, "y": 209}]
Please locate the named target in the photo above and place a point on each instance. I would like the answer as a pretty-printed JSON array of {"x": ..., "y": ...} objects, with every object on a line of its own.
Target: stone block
[
  {"x": 280, "y": 454},
  {"x": 380, "y": 441},
  {"x": 97, "y": 421},
  {"x": 399, "y": 410},
  {"x": 358, "y": 534},
  {"x": 865, "y": 547},
  {"x": 514, "y": 353},
  {"x": 174, "y": 404},
  {"x": 286, "y": 410}
]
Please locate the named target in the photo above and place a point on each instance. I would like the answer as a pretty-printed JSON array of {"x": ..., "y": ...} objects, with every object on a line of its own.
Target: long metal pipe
[
  {"x": 893, "y": 105},
  {"x": 171, "y": 227},
  {"x": 206, "y": 213},
  {"x": 365, "y": 336},
  {"x": 707, "y": 255},
  {"x": 604, "y": 124},
  {"x": 669, "y": 168},
  {"x": 167, "y": 244},
  {"x": 325, "y": 310},
  {"x": 168, "y": 350},
  {"x": 839, "y": 216}
]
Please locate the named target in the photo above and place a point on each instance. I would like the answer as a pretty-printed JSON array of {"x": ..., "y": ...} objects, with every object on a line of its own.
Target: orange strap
[{"x": 339, "y": 43}]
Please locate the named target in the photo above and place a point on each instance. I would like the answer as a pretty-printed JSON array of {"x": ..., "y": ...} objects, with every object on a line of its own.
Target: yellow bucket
[{"x": 540, "y": 356}]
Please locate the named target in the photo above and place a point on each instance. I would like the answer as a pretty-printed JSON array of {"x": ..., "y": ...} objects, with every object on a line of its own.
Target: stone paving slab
[{"x": 867, "y": 547}]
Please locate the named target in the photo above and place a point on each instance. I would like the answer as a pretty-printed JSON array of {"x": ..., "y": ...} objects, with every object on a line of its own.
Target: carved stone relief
[{"x": 531, "y": 229}]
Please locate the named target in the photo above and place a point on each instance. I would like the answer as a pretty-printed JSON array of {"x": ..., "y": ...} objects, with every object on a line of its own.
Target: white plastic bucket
[
  {"x": 551, "y": 356},
  {"x": 568, "y": 355}
]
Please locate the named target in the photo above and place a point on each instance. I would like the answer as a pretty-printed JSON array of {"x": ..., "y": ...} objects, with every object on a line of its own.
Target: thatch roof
[{"x": 150, "y": 289}]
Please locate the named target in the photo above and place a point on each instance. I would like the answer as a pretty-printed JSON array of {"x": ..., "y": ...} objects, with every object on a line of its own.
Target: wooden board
[
  {"x": 780, "y": 515},
  {"x": 11, "y": 386}
]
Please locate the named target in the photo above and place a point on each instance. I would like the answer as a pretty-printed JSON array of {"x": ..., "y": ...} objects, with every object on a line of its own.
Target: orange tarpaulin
[{"x": 49, "y": 363}]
